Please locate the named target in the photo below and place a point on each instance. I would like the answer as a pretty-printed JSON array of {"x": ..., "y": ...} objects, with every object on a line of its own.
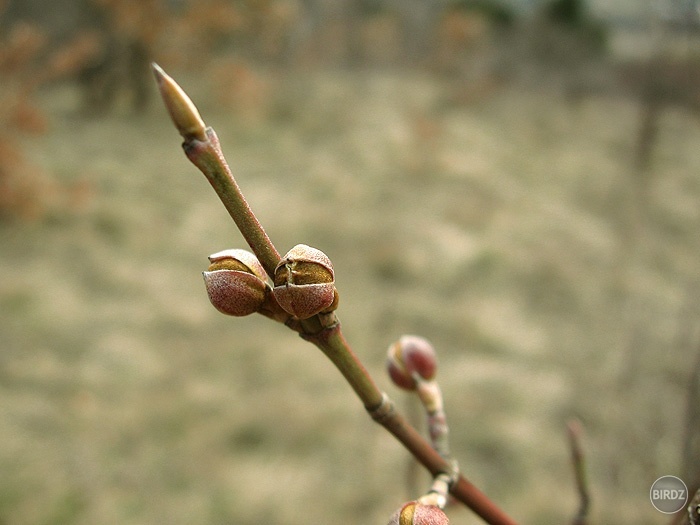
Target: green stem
[
  {"x": 202, "y": 147},
  {"x": 334, "y": 345},
  {"x": 208, "y": 157}
]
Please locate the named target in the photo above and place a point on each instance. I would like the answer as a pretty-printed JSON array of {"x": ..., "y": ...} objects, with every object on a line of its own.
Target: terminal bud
[
  {"x": 182, "y": 110},
  {"x": 305, "y": 283},
  {"x": 236, "y": 282},
  {"x": 408, "y": 356}
]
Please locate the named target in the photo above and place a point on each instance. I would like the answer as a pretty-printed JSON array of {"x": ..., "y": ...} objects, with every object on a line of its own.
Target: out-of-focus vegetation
[{"x": 519, "y": 187}]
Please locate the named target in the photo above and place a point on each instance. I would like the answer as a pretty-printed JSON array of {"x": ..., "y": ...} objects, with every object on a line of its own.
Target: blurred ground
[{"x": 506, "y": 229}]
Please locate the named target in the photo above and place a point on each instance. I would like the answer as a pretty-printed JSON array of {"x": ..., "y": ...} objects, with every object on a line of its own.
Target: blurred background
[{"x": 517, "y": 181}]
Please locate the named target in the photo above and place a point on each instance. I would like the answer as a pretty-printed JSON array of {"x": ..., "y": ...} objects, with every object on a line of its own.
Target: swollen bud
[
  {"x": 414, "y": 513},
  {"x": 408, "y": 356},
  {"x": 236, "y": 282},
  {"x": 305, "y": 283}
]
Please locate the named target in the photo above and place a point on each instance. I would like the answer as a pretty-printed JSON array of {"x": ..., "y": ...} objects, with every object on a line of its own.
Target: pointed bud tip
[
  {"x": 157, "y": 71},
  {"x": 182, "y": 110}
]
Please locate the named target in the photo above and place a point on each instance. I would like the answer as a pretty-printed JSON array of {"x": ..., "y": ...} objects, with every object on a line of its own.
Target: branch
[{"x": 202, "y": 147}]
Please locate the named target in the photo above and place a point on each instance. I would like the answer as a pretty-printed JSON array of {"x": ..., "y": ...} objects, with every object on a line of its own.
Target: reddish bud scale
[
  {"x": 414, "y": 513},
  {"x": 306, "y": 300},
  {"x": 234, "y": 292},
  {"x": 235, "y": 282}
]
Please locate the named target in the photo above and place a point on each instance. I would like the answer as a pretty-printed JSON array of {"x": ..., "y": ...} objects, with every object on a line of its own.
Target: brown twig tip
[
  {"x": 182, "y": 110},
  {"x": 574, "y": 430}
]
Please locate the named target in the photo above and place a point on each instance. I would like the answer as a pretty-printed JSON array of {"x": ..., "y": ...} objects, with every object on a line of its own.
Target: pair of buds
[{"x": 303, "y": 284}]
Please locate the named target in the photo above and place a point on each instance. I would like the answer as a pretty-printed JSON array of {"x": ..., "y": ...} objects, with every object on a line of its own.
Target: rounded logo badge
[{"x": 668, "y": 494}]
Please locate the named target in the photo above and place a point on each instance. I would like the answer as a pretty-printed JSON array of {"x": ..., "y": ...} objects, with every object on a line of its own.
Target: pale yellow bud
[{"x": 182, "y": 110}]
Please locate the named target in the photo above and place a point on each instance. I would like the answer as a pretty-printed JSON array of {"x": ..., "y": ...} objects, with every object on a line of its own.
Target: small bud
[
  {"x": 414, "y": 513},
  {"x": 408, "y": 356},
  {"x": 305, "y": 283},
  {"x": 182, "y": 110},
  {"x": 235, "y": 282}
]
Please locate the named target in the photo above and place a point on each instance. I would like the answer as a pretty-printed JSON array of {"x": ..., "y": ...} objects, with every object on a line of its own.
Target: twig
[
  {"x": 578, "y": 462},
  {"x": 203, "y": 149}
]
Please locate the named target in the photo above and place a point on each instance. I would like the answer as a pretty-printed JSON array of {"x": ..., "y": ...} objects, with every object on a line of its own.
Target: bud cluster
[{"x": 304, "y": 283}]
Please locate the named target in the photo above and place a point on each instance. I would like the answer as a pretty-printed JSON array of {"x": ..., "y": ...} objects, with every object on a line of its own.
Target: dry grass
[{"x": 494, "y": 230}]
